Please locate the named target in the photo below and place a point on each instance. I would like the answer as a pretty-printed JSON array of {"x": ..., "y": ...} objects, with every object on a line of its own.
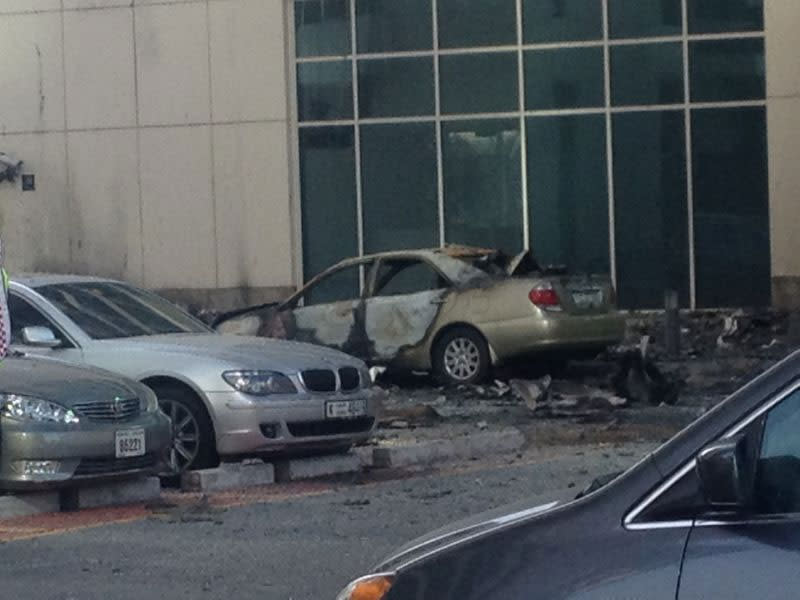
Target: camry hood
[
  {"x": 59, "y": 382},
  {"x": 243, "y": 352},
  {"x": 467, "y": 529}
]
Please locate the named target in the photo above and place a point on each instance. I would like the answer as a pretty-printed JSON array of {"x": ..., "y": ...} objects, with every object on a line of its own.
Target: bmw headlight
[
  {"x": 259, "y": 383},
  {"x": 35, "y": 409}
]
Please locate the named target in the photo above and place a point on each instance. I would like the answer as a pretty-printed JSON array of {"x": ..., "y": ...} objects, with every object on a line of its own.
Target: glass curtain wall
[{"x": 625, "y": 137}]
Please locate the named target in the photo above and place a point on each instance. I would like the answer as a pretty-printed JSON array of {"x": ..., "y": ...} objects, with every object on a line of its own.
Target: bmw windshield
[{"x": 109, "y": 310}]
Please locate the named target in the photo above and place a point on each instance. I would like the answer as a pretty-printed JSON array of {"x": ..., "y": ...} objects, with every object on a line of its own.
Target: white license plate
[
  {"x": 130, "y": 442},
  {"x": 345, "y": 409}
]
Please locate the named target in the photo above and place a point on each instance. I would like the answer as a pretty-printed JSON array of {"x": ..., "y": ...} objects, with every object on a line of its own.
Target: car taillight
[{"x": 544, "y": 296}]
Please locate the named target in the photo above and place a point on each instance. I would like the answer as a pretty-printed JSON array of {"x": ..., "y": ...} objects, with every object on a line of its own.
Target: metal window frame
[
  {"x": 629, "y": 520},
  {"x": 607, "y": 109}
]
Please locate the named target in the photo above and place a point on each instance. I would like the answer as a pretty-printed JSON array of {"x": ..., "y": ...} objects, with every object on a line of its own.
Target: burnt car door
[
  {"x": 330, "y": 311},
  {"x": 406, "y": 298},
  {"x": 755, "y": 552}
]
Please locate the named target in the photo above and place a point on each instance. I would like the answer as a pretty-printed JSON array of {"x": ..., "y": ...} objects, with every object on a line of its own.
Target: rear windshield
[{"x": 108, "y": 310}]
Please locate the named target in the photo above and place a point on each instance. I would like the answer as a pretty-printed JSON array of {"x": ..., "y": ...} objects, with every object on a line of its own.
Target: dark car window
[
  {"x": 339, "y": 286},
  {"x": 398, "y": 277},
  {"x": 24, "y": 314},
  {"x": 108, "y": 310},
  {"x": 778, "y": 472},
  {"x": 682, "y": 501}
]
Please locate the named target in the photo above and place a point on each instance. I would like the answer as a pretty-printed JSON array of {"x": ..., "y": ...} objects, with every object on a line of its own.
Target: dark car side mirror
[
  {"x": 40, "y": 337},
  {"x": 725, "y": 473}
]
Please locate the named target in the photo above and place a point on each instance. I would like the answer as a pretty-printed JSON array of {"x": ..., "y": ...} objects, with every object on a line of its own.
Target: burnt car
[
  {"x": 713, "y": 513},
  {"x": 456, "y": 311},
  {"x": 60, "y": 424}
]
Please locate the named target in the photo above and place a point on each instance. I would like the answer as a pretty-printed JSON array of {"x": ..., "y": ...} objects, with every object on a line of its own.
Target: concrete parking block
[
  {"x": 25, "y": 505},
  {"x": 364, "y": 454},
  {"x": 318, "y": 466},
  {"x": 115, "y": 493},
  {"x": 463, "y": 448},
  {"x": 229, "y": 476}
]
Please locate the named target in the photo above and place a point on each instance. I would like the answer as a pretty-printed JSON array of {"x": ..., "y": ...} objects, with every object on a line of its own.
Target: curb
[{"x": 467, "y": 447}]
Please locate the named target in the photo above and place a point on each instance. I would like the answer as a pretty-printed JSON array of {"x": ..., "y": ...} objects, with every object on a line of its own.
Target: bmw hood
[
  {"x": 474, "y": 527},
  {"x": 59, "y": 382},
  {"x": 243, "y": 352}
]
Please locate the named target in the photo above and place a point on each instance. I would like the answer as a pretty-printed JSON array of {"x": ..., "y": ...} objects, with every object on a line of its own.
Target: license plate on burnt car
[
  {"x": 345, "y": 409},
  {"x": 130, "y": 442},
  {"x": 588, "y": 298}
]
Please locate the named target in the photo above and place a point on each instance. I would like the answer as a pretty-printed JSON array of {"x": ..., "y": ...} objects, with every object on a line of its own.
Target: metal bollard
[{"x": 672, "y": 323}]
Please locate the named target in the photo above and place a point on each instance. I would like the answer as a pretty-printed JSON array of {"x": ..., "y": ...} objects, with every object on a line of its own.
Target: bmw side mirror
[
  {"x": 40, "y": 337},
  {"x": 724, "y": 470}
]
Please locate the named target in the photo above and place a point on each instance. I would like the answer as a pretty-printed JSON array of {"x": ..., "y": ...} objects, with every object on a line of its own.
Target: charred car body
[{"x": 455, "y": 311}]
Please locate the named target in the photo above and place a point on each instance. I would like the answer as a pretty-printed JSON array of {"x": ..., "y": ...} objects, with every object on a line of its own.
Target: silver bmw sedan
[{"x": 226, "y": 395}]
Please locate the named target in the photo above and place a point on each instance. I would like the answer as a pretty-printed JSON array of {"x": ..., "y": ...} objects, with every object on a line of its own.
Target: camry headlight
[
  {"x": 35, "y": 409},
  {"x": 371, "y": 587},
  {"x": 259, "y": 383},
  {"x": 149, "y": 400}
]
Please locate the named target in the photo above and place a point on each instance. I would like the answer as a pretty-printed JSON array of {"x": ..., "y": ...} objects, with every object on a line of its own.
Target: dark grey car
[
  {"x": 60, "y": 423},
  {"x": 714, "y": 513}
]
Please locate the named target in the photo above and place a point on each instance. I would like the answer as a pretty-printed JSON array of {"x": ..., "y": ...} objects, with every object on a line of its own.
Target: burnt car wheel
[
  {"x": 192, "y": 434},
  {"x": 461, "y": 356}
]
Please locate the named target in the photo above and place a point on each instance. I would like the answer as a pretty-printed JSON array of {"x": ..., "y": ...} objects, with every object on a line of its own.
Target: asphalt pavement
[{"x": 303, "y": 547}]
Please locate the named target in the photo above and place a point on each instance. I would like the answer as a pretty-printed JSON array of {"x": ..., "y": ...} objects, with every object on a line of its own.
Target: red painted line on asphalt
[{"x": 23, "y": 528}]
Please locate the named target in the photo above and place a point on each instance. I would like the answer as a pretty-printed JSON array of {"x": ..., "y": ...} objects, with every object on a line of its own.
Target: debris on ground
[{"x": 532, "y": 393}]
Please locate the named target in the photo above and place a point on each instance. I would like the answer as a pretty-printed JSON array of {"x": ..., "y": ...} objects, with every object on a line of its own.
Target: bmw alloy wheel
[{"x": 185, "y": 435}]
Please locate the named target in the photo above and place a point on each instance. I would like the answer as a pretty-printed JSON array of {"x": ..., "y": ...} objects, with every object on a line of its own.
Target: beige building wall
[
  {"x": 158, "y": 131},
  {"x": 783, "y": 116}
]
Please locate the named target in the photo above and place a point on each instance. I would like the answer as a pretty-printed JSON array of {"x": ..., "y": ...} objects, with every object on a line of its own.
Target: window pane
[
  {"x": 465, "y": 23},
  {"x": 568, "y": 191},
  {"x": 731, "y": 207},
  {"x": 328, "y": 197},
  {"x": 322, "y": 27},
  {"x": 325, "y": 91},
  {"x": 727, "y": 70},
  {"x": 566, "y": 78},
  {"x": 400, "y": 277},
  {"x": 475, "y": 83},
  {"x": 395, "y": 87},
  {"x": 717, "y": 16},
  {"x": 340, "y": 286},
  {"x": 482, "y": 183},
  {"x": 561, "y": 21},
  {"x": 23, "y": 314},
  {"x": 389, "y": 25},
  {"x": 647, "y": 74},
  {"x": 777, "y": 490},
  {"x": 644, "y": 18},
  {"x": 398, "y": 170},
  {"x": 651, "y": 222}
]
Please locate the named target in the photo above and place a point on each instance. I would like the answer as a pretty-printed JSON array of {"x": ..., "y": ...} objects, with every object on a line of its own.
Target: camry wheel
[
  {"x": 192, "y": 433},
  {"x": 461, "y": 356}
]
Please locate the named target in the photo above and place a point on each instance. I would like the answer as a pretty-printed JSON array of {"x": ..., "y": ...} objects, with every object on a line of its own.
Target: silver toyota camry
[
  {"x": 61, "y": 424},
  {"x": 226, "y": 395}
]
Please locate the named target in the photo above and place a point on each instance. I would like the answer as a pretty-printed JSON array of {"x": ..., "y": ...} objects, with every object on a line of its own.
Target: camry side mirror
[
  {"x": 725, "y": 473},
  {"x": 40, "y": 337}
]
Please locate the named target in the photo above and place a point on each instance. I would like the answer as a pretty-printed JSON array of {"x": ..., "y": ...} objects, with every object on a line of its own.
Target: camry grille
[{"x": 116, "y": 410}]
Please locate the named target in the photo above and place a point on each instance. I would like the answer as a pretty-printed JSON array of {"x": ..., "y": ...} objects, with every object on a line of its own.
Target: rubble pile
[{"x": 746, "y": 332}]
